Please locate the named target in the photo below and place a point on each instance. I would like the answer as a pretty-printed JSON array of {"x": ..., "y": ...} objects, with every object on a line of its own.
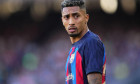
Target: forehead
[{"x": 69, "y": 10}]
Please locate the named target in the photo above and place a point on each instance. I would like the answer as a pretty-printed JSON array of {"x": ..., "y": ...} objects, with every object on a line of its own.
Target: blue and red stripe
[
  {"x": 79, "y": 70},
  {"x": 73, "y": 65},
  {"x": 68, "y": 66}
]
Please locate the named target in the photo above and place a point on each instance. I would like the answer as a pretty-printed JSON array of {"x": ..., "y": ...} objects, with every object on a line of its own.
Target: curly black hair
[{"x": 70, "y": 3}]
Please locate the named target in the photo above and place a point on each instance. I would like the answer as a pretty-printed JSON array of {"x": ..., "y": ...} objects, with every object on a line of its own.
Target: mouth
[{"x": 72, "y": 29}]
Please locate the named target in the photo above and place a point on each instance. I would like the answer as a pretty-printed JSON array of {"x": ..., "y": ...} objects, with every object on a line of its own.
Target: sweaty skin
[{"x": 75, "y": 22}]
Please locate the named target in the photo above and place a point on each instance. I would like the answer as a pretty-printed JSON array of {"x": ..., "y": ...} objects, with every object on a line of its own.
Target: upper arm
[
  {"x": 94, "y": 78},
  {"x": 93, "y": 57},
  {"x": 93, "y": 61}
]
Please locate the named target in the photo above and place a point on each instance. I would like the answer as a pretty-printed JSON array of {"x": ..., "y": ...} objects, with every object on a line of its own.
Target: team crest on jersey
[
  {"x": 70, "y": 77},
  {"x": 72, "y": 58}
]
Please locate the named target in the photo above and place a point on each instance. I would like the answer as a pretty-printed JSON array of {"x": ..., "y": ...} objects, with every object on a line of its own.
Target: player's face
[{"x": 74, "y": 20}]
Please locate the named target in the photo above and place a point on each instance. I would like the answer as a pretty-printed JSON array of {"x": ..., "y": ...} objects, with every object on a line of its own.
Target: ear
[{"x": 87, "y": 17}]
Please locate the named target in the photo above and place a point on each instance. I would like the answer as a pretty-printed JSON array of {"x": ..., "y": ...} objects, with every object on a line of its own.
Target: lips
[{"x": 72, "y": 29}]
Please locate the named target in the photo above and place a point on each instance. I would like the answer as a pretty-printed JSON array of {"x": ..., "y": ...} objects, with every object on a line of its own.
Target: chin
[{"x": 74, "y": 35}]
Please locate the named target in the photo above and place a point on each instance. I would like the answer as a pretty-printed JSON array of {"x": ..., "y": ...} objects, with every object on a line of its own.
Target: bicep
[{"x": 94, "y": 78}]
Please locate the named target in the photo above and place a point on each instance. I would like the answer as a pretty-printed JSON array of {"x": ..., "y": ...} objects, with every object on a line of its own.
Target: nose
[{"x": 71, "y": 21}]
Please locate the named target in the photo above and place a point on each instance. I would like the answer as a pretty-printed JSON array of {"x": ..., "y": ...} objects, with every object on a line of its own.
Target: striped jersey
[{"x": 85, "y": 56}]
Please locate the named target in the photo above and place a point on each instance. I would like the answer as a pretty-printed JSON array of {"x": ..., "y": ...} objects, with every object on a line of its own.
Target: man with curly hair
[{"x": 86, "y": 59}]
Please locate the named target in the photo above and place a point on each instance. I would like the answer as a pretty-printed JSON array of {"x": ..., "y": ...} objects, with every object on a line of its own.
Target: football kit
[{"x": 85, "y": 56}]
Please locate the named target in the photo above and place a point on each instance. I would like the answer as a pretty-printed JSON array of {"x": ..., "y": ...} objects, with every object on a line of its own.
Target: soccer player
[{"x": 86, "y": 59}]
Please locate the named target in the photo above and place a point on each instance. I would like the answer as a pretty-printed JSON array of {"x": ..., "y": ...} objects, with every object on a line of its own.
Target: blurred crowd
[
  {"x": 26, "y": 62},
  {"x": 123, "y": 54},
  {"x": 29, "y": 57}
]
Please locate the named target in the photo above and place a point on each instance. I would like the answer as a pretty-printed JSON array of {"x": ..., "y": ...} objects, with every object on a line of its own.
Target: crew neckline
[{"x": 81, "y": 38}]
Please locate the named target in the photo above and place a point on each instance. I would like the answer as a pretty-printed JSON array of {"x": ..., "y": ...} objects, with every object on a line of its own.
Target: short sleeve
[{"x": 93, "y": 56}]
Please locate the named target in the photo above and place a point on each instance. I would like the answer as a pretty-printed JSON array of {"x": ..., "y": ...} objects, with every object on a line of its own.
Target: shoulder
[{"x": 93, "y": 40}]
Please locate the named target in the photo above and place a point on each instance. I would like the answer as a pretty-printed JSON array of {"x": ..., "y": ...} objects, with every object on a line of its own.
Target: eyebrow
[{"x": 72, "y": 14}]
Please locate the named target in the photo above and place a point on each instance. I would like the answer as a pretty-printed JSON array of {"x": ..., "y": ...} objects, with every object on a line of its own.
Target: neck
[{"x": 75, "y": 39}]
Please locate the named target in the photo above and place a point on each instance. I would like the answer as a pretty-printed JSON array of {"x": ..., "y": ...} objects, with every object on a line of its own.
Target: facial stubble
[{"x": 75, "y": 34}]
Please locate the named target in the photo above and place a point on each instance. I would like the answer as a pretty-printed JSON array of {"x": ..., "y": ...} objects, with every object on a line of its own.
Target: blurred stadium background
[{"x": 34, "y": 44}]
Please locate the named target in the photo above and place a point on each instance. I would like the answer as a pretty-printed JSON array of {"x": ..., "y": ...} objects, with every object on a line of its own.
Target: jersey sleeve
[{"x": 93, "y": 56}]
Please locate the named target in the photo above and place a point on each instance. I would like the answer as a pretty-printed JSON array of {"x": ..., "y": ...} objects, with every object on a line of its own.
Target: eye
[
  {"x": 76, "y": 16},
  {"x": 66, "y": 17}
]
